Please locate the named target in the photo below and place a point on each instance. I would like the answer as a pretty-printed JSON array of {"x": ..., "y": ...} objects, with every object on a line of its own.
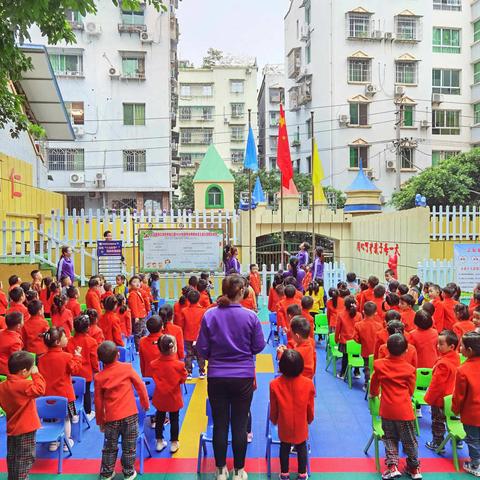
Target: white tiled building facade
[
  {"x": 352, "y": 62},
  {"x": 119, "y": 82}
]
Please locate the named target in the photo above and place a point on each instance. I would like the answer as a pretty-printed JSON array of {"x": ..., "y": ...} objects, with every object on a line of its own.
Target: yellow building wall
[{"x": 228, "y": 195}]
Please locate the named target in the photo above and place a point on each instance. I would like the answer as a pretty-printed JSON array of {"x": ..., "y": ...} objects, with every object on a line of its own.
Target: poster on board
[
  {"x": 162, "y": 250},
  {"x": 110, "y": 259},
  {"x": 467, "y": 265}
]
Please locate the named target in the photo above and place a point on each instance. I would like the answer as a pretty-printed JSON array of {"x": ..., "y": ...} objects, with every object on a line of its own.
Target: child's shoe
[
  {"x": 130, "y": 477},
  {"x": 302, "y": 476},
  {"x": 434, "y": 446},
  {"x": 284, "y": 476},
  {"x": 469, "y": 467},
  {"x": 53, "y": 447},
  {"x": 221, "y": 474},
  {"x": 75, "y": 419},
  {"x": 460, "y": 444},
  {"x": 153, "y": 422},
  {"x": 90, "y": 416},
  {"x": 240, "y": 474},
  {"x": 340, "y": 376},
  {"x": 202, "y": 375},
  {"x": 391, "y": 472},
  {"x": 413, "y": 473},
  {"x": 250, "y": 437},
  {"x": 174, "y": 446},
  {"x": 70, "y": 443},
  {"x": 161, "y": 445},
  {"x": 419, "y": 412},
  {"x": 111, "y": 477},
  {"x": 189, "y": 376}
]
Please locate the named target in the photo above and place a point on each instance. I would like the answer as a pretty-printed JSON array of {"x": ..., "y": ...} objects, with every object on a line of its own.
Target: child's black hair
[
  {"x": 369, "y": 309},
  {"x": 202, "y": 285},
  {"x": 290, "y": 291},
  {"x": 193, "y": 281},
  {"x": 53, "y": 289},
  {"x": 313, "y": 287},
  {"x": 333, "y": 293},
  {"x": 13, "y": 319},
  {"x": 92, "y": 315},
  {"x": 290, "y": 281},
  {"x": 52, "y": 336},
  {"x": 72, "y": 292},
  {"x": 451, "y": 338},
  {"x": 471, "y": 340},
  {"x": 34, "y": 307},
  {"x": 408, "y": 299},
  {"x": 351, "y": 306},
  {"x": 154, "y": 324},
  {"x": 135, "y": 277},
  {"x": 93, "y": 282},
  {"x": 403, "y": 289},
  {"x": 363, "y": 285},
  {"x": 20, "y": 360},
  {"x": 13, "y": 279},
  {"x": 462, "y": 312},
  {"x": 300, "y": 326},
  {"x": 107, "y": 352},
  {"x": 291, "y": 363},
  {"x": 193, "y": 296},
  {"x": 397, "y": 344},
  {"x": 25, "y": 286},
  {"x": 379, "y": 291},
  {"x": 277, "y": 280},
  {"x": 58, "y": 303},
  {"x": 392, "y": 315},
  {"x": 110, "y": 303},
  {"x": 16, "y": 294},
  {"x": 395, "y": 326},
  {"x": 205, "y": 276},
  {"x": 122, "y": 304},
  {"x": 429, "y": 307},
  {"x": 392, "y": 299},
  {"x": 393, "y": 286},
  {"x": 351, "y": 277},
  {"x": 307, "y": 302},
  {"x": 423, "y": 320},
  {"x": 166, "y": 344},
  {"x": 30, "y": 296},
  {"x": 450, "y": 290},
  {"x": 81, "y": 324},
  {"x": 107, "y": 287},
  {"x": 166, "y": 314},
  {"x": 154, "y": 276},
  {"x": 372, "y": 281},
  {"x": 252, "y": 266},
  {"x": 294, "y": 309}
]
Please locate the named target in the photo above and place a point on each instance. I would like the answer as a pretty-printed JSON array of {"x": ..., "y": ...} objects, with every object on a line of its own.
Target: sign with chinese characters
[
  {"x": 14, "y": 177},
  {"x": 378, "y": 248},
  {"x": 466, "y": 260},
  {"x": 110, "y": 259}
]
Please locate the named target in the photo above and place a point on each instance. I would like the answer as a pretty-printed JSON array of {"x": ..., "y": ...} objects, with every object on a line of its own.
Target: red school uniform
[
  {"x": 311, "y": 321},
  {"x": 148, "y": 351},
  {"x": 466, "y": 394},
  {"x": 17, "y": 398},
  {"x": 31, "y": 332},
  {"x": 365, "y": 333},
  {"x": 63, "y": 319},
  {"x": 408, "y": 317},
  {"x": 147, "y": 296},
  {"x": 282, "y": 319},
  {"x": 463, "y": 327},
  {"x": 10, "y": 341},
  {"x": 73, "y": 305},
  {"x": 136, "y": 304},
  {"x": 19, "y": 307},
  {"x": 125, "y": 322},
  {"x": 443, "y": 378},
  {"x": 178, "y": 319},
  {"x": 380, "y": 312},
  {"x": 364, "y": 297},
  {"x": 292, "y": 407},
  {"x": 438, "y": 314},
  {"x": 425, "y": 341},
  {"x": 92, "y": 300},
  {"x": 248, "y": 303},
  {"x": 307, "y": 351},
  {"x": 334, "y": 312},
  {"x": 396, "y": 377},
  {"x": 3, "y": 303},
  {"x": 177, "y": 332},
  {"x": 410, "y": 355},
  {"x": 193, "y": 315},
  {"x": 57, "y": 367},
  {"x": 204, "y": 301},
  {"x": 449, "y": 317},
  {"x": 106, "y": 294},
  {"x": 114, "y": 397},
  {"x": 168, "y": 374},
  {"x": 110, "y": 325},
  {"x": 89, "y": 354},
  {"x": 346, "y": 326},
  {"x": 42, "y": 296},
  {"x": 256, "y": 282},
  {"x": 96, "y": 333},
  {"x": 274, "y": 299}
]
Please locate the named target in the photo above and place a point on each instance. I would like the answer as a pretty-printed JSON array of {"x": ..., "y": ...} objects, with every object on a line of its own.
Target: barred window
[
  {"x": 66, "y": 159},
  {"x": 406, "y": 73},
  {"x": 134, "y": 161},
  {"x": 359, "y": 70}
]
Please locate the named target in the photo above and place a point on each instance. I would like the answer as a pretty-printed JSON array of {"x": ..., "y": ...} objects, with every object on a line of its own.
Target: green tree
[
  {"x": 452, "y": 182},
  {"x": 212, "y": 57},
  {"x": 339, "y": 196},
  {"x": 16, "y": 18},
  {"x": 187, "y": 193}
]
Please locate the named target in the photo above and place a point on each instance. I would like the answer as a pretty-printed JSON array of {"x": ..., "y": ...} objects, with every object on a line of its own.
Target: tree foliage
[
  {"x": 187, "y": 194},
  {"x": 16, "y": 19},
  {"x": 212, "y": 57},
  {"x": 452, "y": 182}
]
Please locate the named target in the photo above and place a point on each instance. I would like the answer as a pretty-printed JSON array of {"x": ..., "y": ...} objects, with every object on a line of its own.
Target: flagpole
[
  {"x": 282, "y": 235},
  {"x": 250, "y": 197},
  {"x": 312, "y": 114}
]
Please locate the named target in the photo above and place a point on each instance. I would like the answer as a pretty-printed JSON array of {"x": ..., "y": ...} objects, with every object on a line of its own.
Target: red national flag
[{"x": 284, "y": 160}]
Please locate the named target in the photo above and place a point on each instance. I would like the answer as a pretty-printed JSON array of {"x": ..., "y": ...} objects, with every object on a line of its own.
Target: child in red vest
[
  {"x": 17, "y": 303},
  {"x": 463, "y": 323},
  {"x": 367, "y": 295},
  {"x": 466, "y": 398},
  {"x": 148, "y": 349},
  {"x": 382, "y": 335},
  {"x": 248, "y": 300},
  {"x": 34, "y": 329},
  {"x": 110, "y": 323},
  {"x": 94, "y": 330},
  {"x": 169, "y": 328},
  {"x": 10, "y": 339},
  {"x": 124, "y": 314},
  {"x": 292, "y": 409},
  {"x": 304, "y": 345},
  {"x": 146, "y": 292},
  {"x": 57, "y": 367},
  {"x": 138, "y": 307},
  {"x": 334, "y": 307},
  {"x": 396, "y": 379},
  {"x": 193, "y": 315},
  {"x": 275, "y": 296},
  {"x": 44, "y": 294},
  {"x": 449, "y": 303},
  {"x": 379, "y": 300},
  {"x": 255, "y": 280},
  {"x": 87, "y": 345},
  {"x": 425, "y": 339},
  {"x": 407, "y": 312},
  {"x": 397, "y": 326},
  {"x": 442, "y": 384},
  {"x": 178, "y": 308},
  {"x": 307, "y": 304},
  {"x": 435, "y": 295},
  {"x": 204, "y": 301},
  {"x": 61, "y": 316},
  {"x": 17, "y": 398},
  {"x": 168, "y": 373},
  {"x": 108, "y": 291},
  {"x": 72, "y": 301},
  {"x": 92, "y": 297},
  {"x": 282, "y": 306}
]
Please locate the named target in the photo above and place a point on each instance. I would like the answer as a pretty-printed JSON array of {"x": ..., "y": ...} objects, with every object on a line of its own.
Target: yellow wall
[
  {"x": 228, "y": 195},
  {"x": 443, "y": 249}
]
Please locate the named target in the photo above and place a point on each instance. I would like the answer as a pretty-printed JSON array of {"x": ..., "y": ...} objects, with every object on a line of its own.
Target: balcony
[
  {"x": 131, "y": 28},
  {"x": 408, "y": 28},
  {"x": 293, "y": 99},
  {"x": 294, "y": 62}
]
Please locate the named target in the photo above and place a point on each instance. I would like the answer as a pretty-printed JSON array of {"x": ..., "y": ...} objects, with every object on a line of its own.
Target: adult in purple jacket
[
  {"x": 230, "y": 337},
  {"x": 66, "y": 267}
]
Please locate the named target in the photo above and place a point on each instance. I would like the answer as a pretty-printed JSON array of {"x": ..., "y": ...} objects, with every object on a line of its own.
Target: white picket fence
[
  {"x": 439, "y": 272},
  {"x": 454, "y": 223}
]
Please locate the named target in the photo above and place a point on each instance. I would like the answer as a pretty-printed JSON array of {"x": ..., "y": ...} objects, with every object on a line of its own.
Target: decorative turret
[{"x": 363, "y": 196}]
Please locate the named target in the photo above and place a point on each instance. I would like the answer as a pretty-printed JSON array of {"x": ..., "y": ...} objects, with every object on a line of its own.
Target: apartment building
[
  {"x": 213, "y": 108},
  {"x": 270, "y": 95},
  {"x": 365, "y": 66},
  {"x": 119, "y": 82}
]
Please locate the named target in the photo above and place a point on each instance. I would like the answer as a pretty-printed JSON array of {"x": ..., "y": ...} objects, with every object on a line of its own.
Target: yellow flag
[{"x": 317, "y": 176}]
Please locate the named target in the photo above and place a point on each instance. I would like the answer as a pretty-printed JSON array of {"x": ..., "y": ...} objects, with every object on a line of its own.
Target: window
[
  {"x": 207, "y": 113},
  {"x": 133, "y": 17},
  {"x": 476, "y": 73},
  {"x": 308, "y": 12},
  {"x": 214, "y": 196},
  {"x": 185, "y": 136},
  {"x": 359, "y": 25},
  {"x": 447, "y": 5},
  {"x": 446, "y": 40},
  {"x": 476, "y": 113},
  {"x": 358, "y": 114},
  {"x": 294, "y": 62},
  {"x": 406, "y": 73},
  {"x": 357, "y": 153},
  {"x": 237, "y": 110},
  {"x": 134, "y": 161},
  {"x": 476, "y": 31},
  {"x": 236, "y": 86},
  {"x": 236, "y": 134},
  {"x": 277, "y": 95},
  {"x": 69, "y": 64},
  {"x": 134, "y": 114},
  {"x": 73, "y": 17},
  {"x": 185, "y": 91},
  {"x": 274, "y": 118},
  {"x": 273, "y": 162},
  {"x": 446, "y": 81},
  {"x": 76, "y": 112},
  {"x": 407, "y": 155},
  {"x": 75, "y": 202},
  {"x": 359, "y": 70},
  {"x": 408, "y": 116},
  {"x": 207, "y": 137},
  {"x": 236, "y": 156},
  {"x": 133, "y": 67},
  {"x": 273, "y": 142},
  {"x": 407, "y": 28},
  {"x": 439, "y": 156},
  {"x": 207, "y": 90},
  {"x": 446, "y": 122},
  {"x": 66, "y": 159},
  {"x": 308, "y": 53},
  {"x": 196, "y": 136},
  {"x": 185, "y": 113}
]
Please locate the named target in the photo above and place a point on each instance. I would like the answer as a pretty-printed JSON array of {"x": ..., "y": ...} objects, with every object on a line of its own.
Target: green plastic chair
[
  {"x": 455, "y": 430},
  {"x": 333, "y": 353},
  {"x": 371, "y": 361},
  {"x": 377, "y": 433},
  {"x": 83, "y": 307},
  {"x": 2, "y": 378},
  {"x": 424, "y": 378},
  {"x": 355, "y": 359},
  {"x": 321, "y": 324},
  {"x": 463, "y": 359}
]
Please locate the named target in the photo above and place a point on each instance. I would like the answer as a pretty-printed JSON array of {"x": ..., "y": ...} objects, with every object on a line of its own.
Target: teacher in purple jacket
[{"x": 230, "y": 337}]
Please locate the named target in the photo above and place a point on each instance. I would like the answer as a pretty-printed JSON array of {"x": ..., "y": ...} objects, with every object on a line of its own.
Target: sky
[{"x": 240, "y": 27}]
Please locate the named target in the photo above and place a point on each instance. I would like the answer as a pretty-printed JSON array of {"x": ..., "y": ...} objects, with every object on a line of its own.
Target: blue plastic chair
[
  {"x": 272, "y": 318},
  {"x": 130, "y": 346},
  {"x": 122, "y": 354},
  {"x": 79, "y": 387},
  {"x": 53, "y": 409},
  {"x": 150, "y": 384},
  {"x": 142, "y": 443}
]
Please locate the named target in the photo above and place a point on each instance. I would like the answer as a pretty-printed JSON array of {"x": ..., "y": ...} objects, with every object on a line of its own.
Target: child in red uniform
[
  {"x": 124, "y": 314},
  {"x": 57, "y": 367},
  {"x": 193, "y": 317},
  {"x": 304, "y": 345},
  {"x": 204, "y": 301},
  {"x": 282, "y": 306},
  {"x": 392, "y": 302},
  {"x": 275, "y": 296},
  {"x": 449, "y": 303},
  {"x": 382, "y": 335},
  {"x": 53, "y": 289},
  {"x": 3, "y": 301},
  {"x": 255, "y": 280},
  {"x": 178, "y": 308},
  {"x": 407, "y": 312},
  {"x": 94, "y": 330},
  {"x": 334, "y": 307},
  {"x": 116, "y": 410},
  {"x": 34, "y": 329},
  {"x": 10, "y": 339},
  {"x": 292, "y": 409},
  {"x": 17, "y": 398},
  {"x": 144, "y": 289},
  {"x": 87, "y": 345},
  {"x": 466, "y": 399},
  {"x": 379, "y": 299},
  {"x": 72, "y": 301},
  {"x": 307, "y": 304},
  {"x": 17, "y": 303},
  {"x": 397, "y": 326},
  {"x": 108, "y": 291},
  {"x": 367, "y": 295},
  {"x": 396, "y": 379},
  {"x": 168, "y": 328},
  {"x": 248, "y": 301},
  {"x": 425, "y": 339},
  {"x": 138, "y": 307},
  {"x": 476, "y": 318},
  {"x": 110, "y": 323},
  {"x": 345, "y": 328},
  {"x": 365, "y": 333},
  {"x": 435, "y": 295},
  {"x": 463, "y": 323},
  {"x": 443, "y": 381},
  {"x": 13, "y": 282},
  {"x": 61, "y": 316},
  {"x": 168, "y": 373},
  {"x": 92, "y": 297},
  {"x": 36, "y": 280},
  {"x": 148, "y": 349}
]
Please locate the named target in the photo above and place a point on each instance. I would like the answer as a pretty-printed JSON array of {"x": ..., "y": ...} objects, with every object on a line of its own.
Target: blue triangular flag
[
  {"x": 251, "y": 161},
  {"x": 258, "y": 195}
]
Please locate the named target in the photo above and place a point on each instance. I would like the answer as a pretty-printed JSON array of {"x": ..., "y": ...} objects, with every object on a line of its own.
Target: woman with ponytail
[
  {"x": 168, "y": 328},
  {"x": 318, "y": 264},
  {"x": 295, "y": 272},
  {"x": 230, "y": 337}
]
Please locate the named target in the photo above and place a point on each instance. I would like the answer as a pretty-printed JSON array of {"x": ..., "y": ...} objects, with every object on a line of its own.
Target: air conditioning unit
[
  {"x": 343, "y": 120},
  {"x": 424, "y": 124},
  {"x": 369, "y": 174},
  {"x": 437, "y": 98},
  {"x": 388, "y": 36},
  {"x": 113, "y": 72},
  {"x": 78, "y": 131},
  {"x": 225, "y": 120},
  {"x": 146, "y": 37},
  {"x": 77, "y": 178},
  {"x": 378, "y": 34},
  {"x": 399, "y": 91},
  {"x": 93, "y": 29},
  {"x": 305, "y": 32},
  {"x": 390, "y": 165},
  {"x": 370, "y": 89},
  {"x": 73, "y": 73},
  {"x": 100, "y": 177}
]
